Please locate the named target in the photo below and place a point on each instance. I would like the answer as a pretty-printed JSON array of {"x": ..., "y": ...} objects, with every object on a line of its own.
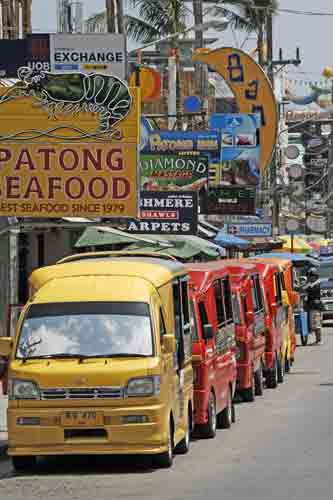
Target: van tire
[
  {"x": 208, "y": 430},
  {"x": 249, "y": 394},
  {"x": 271, "y": 377},
  {"x": 304, "y": 340},
  {"x": 280, "y": 369},
  {"x": 224, "y": 419},
  {"x": 259, "y": 382},
  {"x": 164, "y": 460},
  {"x": 183, "y": 446},
  {"x": 287, "y": 366},
  {"x": 24, "y": 463}
]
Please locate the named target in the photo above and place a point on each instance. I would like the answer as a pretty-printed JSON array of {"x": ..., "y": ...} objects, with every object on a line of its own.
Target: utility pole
[
  {"x": 201, "y": 69},
  {"x": 330, "y": 181}
]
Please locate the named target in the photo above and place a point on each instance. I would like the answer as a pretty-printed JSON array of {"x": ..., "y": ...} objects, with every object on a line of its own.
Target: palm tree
[
  {"x": 251, "y": 16},
  {"x": 156, "y": 20}
]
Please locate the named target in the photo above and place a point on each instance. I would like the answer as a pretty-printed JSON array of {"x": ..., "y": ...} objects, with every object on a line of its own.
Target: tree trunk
[
  {"x": 120, "y": 16},
  {"x": 110, "y": 16}
]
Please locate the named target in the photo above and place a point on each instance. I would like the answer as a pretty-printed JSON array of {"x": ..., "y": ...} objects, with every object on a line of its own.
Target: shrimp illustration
[{"x": 74, "y": 93}]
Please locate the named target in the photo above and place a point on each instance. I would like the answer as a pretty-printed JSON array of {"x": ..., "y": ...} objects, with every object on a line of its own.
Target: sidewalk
[{"x": 3, "y": 426}]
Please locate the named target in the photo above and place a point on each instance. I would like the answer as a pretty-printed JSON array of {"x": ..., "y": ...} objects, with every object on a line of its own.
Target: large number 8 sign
[{"x": 252, "y": 91}]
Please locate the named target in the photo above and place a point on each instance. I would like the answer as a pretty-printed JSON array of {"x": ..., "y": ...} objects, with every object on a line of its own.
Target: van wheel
[
  {"x": 280, "y": 369},
  {"x": 209, "y": 430},
  {"x": 287, "y": 366},
  {"x": 304, "y": 340},
  {"x": 224, "y": 419},
  {"x": 165, "y": 460},
  {"x": 183, "y": 447},
  {"x": 271, "y": 377},
  {"x": 23, "y": 464},
  {"x": 249, "y": 394},
  {"x": 259, "y": 382}
]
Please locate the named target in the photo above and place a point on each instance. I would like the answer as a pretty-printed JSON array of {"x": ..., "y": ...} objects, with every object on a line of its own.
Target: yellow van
[{"x": 101, "y": 362}]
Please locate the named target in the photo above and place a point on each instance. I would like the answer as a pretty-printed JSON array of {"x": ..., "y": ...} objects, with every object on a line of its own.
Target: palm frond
[{"x": 139, "y": 30}]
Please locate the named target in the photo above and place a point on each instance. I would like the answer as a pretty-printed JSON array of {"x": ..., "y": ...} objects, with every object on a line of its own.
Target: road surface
[{"x": 280, "y": 448}]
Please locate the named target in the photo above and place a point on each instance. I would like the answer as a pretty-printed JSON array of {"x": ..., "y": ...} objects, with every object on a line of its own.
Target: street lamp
[{"x": 220, "y": 24}]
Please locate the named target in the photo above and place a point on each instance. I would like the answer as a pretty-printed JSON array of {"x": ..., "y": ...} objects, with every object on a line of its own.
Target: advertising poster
[
  {"x": 238, "y": 170},
  {"x": 166, "y": 213},
  {"x": 231, "y": 201},
  {"x": 165, "y": 172},
  {"x": 58, "y": 159}
]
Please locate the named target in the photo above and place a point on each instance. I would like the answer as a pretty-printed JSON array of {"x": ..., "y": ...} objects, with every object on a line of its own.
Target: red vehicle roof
[{"x": 203, "y": 274}]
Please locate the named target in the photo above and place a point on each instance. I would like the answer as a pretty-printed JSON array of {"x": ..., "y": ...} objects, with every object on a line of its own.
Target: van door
[
  {"x": 259, "y": 319},
  {"x": 183, "y": 357},
  {"x": 225, "y": 337}
]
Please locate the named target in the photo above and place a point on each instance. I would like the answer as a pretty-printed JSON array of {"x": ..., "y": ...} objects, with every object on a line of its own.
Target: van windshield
[{"x": 89, "y": 329}]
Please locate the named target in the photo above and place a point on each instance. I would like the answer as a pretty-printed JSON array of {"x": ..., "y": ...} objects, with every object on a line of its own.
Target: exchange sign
[
  {"x": 84, "y": 163},
  {"x": 231, "y": 201}
]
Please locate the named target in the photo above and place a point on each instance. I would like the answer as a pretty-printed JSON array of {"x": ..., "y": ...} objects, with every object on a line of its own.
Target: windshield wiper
[
  {"x": 61, "y": 355},
  {"x": 120, "y": 355}
]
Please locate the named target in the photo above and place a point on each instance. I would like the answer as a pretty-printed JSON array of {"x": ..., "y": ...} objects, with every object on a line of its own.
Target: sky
[{"x": 312, "y": 34}]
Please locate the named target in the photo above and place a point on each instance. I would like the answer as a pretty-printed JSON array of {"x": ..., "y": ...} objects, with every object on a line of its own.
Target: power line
[{"x": 305, "y": 12}]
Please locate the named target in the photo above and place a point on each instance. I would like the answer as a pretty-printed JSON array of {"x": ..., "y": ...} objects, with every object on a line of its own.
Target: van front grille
[{"x": 83, "y": 393}]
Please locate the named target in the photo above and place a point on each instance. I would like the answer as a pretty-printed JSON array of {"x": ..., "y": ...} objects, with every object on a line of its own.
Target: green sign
[{"x": 162, "y": 172}]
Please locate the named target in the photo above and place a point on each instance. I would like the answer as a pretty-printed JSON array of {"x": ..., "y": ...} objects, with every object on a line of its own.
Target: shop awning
[
  {"x": 182, "y": 247},
  {"x": 229, "y": 241}
]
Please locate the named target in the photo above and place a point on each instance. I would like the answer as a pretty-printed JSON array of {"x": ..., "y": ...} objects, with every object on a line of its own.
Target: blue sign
[
  {"x": 254, "y": 230},
  {"x": 192, "y": 104}
]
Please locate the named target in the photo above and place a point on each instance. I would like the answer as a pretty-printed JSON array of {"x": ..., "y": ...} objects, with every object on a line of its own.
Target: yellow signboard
[
  {"x": 252, "y": 90},
  {"x": 69, "y": 147}
]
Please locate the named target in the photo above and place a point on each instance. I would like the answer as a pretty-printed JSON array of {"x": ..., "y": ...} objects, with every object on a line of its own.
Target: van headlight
[
  {"x": 22, "y": 389},
  {"x": 145, "y": 386}
]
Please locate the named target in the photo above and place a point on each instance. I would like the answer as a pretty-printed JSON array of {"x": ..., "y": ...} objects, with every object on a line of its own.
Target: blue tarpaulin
[{"x": 228, "y": 241}]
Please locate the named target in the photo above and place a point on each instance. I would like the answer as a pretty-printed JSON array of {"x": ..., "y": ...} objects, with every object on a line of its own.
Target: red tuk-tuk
[
  {"x": 213, "y": 347},
  {"x": 276, "y": 321},
  {"x": 249, "y": 314}
]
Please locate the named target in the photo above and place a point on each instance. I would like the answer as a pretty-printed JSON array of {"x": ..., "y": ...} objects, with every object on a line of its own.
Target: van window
[
  {"x": 88, "y": 329},
  {"x": 203, "y": 315},
  {"x": 194, "y": 323},
  {"x": 177, "y": 309},
  {"x": 227, "y": 299},
  {"x": 162, "y": 324},
  {"x": 244, "y": 304},
  {"x": 237, "y": 309},
  {"x": 185, "y": 303},
  {"x": 283, "y": 282},
  {"x": 277, "y": 288},
  {"x": 219, "y": 302},
  {"x": 257, "y": 292}
]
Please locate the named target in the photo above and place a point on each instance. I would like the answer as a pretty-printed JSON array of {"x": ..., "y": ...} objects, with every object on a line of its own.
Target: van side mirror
[
  {"x": 6, "y": 346},
  {"x": 169, "y": 344},
  {"x": 249, "y": 316},
  {"x": 208, "y": 332}
]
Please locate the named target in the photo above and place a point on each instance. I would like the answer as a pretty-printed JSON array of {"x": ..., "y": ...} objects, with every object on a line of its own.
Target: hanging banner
[
  {"x": 64, "y": 153},
  {"x": 251, "y": 88},
  {"x": 166, "y": 213}
]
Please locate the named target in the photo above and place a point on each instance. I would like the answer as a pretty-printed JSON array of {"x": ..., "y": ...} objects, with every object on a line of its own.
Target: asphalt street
[{"x": 281, "y": 447}]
